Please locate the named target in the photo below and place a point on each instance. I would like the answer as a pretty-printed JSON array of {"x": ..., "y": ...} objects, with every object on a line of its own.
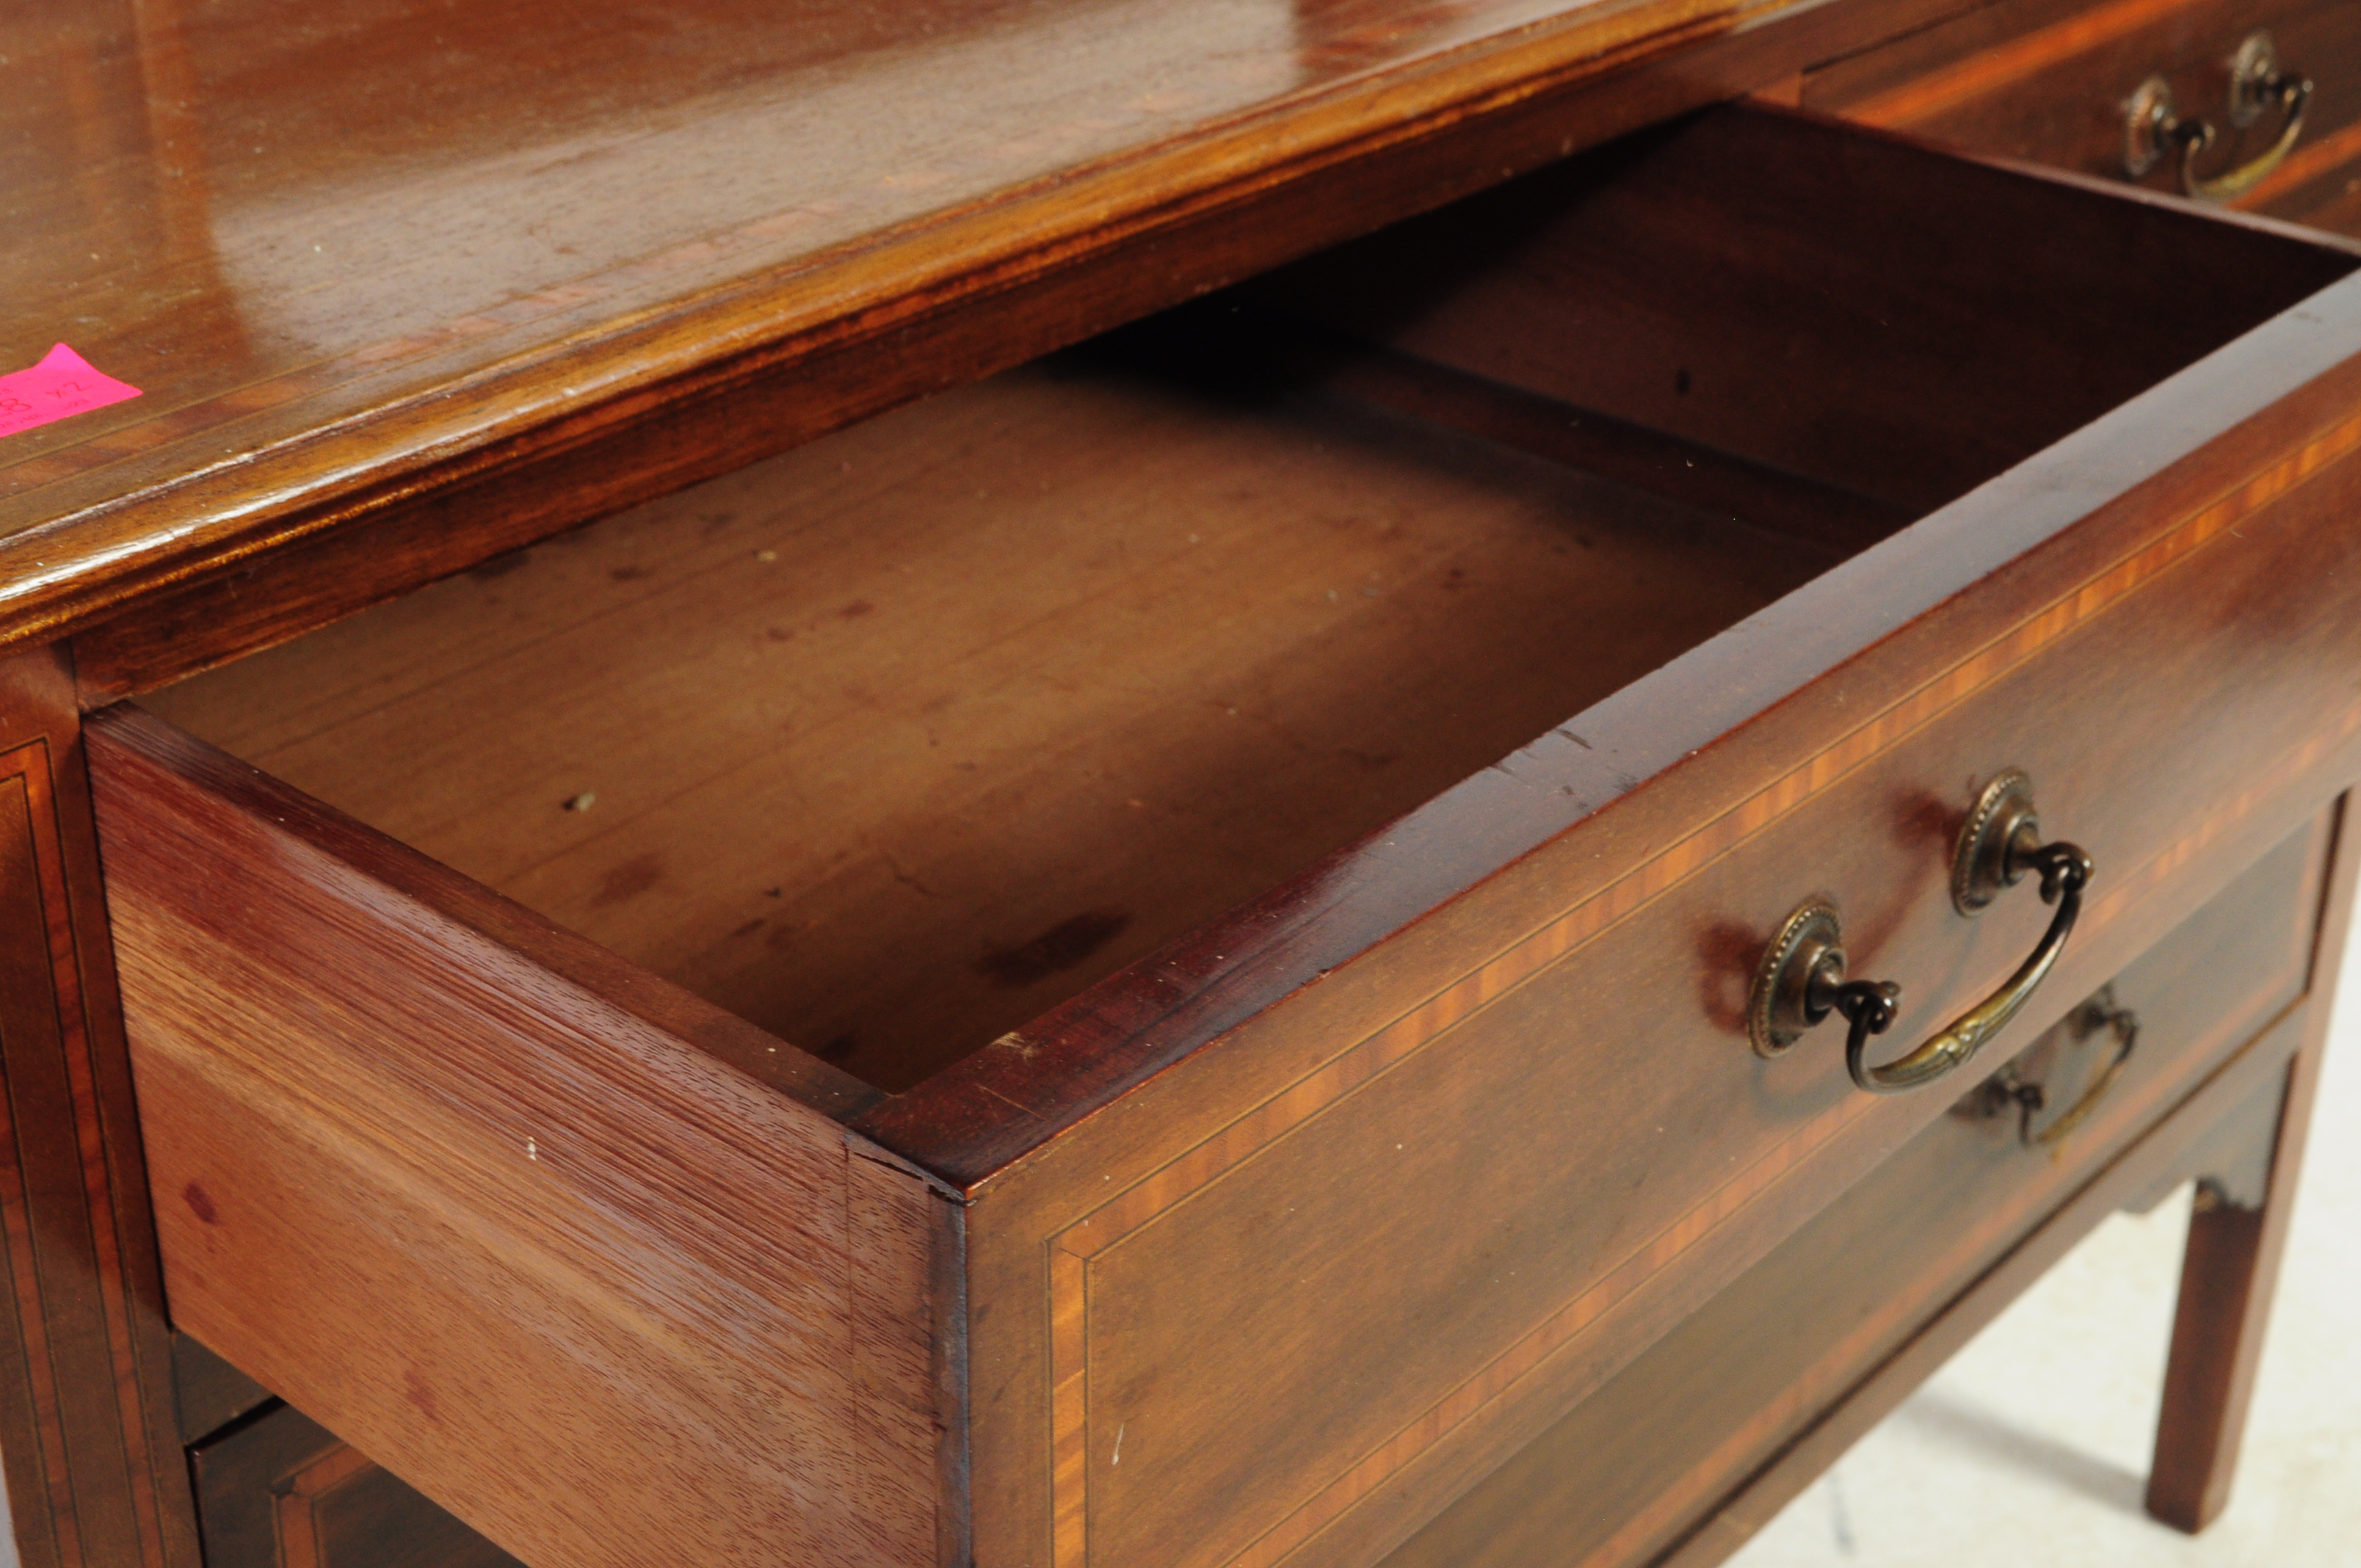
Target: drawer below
[
  {"x": 2054, "y": 82},
  {"x": 1637, "y": 1465},
  {"x": 281, "y": 1491}
]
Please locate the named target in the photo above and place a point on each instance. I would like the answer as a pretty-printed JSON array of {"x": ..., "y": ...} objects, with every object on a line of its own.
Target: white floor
[{"x": 2031, "y": 1447}]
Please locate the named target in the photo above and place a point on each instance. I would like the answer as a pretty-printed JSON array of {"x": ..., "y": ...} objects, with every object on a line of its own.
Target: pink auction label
[{"x": 59, "y": 386}]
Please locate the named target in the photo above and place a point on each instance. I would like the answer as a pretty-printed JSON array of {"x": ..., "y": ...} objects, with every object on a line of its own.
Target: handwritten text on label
[{"x": 58, "y": 386}]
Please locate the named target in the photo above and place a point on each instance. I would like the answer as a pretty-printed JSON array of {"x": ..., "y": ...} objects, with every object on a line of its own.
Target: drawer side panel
[{"x": 604, "y": 1297}]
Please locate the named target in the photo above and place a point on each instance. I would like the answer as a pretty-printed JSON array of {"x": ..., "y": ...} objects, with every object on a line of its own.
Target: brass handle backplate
[
  {"x": 2153, "y": 128},
  {"x": 1801, "y": 979}
]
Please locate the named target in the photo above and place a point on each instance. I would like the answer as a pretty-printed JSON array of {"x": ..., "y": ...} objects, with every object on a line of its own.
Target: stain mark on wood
[{"x": 1061, "y": 948}]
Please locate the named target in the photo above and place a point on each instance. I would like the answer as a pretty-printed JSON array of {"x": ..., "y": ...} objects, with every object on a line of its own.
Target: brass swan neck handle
[
  {"x": 1870, "y": 1006},
  {"x": 1801, "y": 978},
  {"x": 2154, "y": 129}
]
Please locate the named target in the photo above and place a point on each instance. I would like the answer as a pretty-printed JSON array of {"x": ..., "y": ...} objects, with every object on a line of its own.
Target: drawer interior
[{"x": 895, "y": 741}]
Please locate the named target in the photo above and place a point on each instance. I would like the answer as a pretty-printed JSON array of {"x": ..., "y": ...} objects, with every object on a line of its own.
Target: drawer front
[
  {"x": 1482, "y": 1206},
  {"x": 281, "y": 1491},
  {"x": 1637, "y": 1465},
  {"x": 1288, "y": 1297},
  {"x": 2052, "y": 82}
]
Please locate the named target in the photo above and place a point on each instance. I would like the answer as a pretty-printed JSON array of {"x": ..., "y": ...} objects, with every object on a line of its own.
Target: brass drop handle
[
  {"x": 2008, "y": 1088},
  {"x": 2152, "y": 128},
  {"x": 1801, "y": 979}
]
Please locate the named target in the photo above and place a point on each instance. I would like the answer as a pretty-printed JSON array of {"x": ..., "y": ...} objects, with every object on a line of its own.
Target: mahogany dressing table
[{"x": 1085, "y": 783}]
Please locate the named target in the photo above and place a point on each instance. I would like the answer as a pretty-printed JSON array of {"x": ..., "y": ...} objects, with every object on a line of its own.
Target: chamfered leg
[{"x": 2236, "y": 1236}]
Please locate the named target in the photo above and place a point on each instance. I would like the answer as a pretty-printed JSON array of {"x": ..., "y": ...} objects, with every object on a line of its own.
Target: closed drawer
[
  {"x": 279, "y": 1491},
  {"x": 2056, "y": 83},
  {"x": 1154, "y": 955},
  {"x": 1639, "y": 1466}
]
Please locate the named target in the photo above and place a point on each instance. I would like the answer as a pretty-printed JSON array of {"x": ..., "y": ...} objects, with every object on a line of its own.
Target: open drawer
[
  {"x": 1165, "y": 941},
  {"x": 1675, "y": 1460}
]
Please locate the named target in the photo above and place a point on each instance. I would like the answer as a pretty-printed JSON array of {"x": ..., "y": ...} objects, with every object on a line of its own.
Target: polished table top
[{"x": 364, "y": 238}]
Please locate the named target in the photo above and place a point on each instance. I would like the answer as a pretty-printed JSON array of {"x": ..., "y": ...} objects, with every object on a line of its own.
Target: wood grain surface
[
  {"x": 1797, "y": 328},
  {"x": 1713, "y": 481},
  {"x": 440, "y": 332},
  {"x": 88, "y": 1442},
  {"x": 537, "y": 1233},
  {"x": 891, "y": 743}
]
